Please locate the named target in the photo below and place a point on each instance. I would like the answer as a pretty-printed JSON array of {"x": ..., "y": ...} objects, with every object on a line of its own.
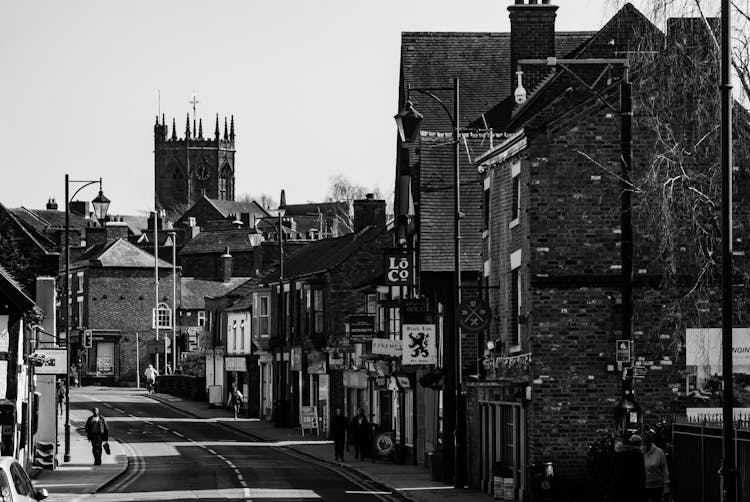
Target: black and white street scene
[{"x": 391, "y": 251}]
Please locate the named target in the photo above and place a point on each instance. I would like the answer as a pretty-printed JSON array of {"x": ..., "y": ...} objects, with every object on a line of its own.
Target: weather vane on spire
[{"x": 194, "y": 102}]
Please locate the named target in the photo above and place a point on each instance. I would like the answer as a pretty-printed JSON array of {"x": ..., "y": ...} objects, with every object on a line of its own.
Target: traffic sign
[{"x": 474, "y": 315}]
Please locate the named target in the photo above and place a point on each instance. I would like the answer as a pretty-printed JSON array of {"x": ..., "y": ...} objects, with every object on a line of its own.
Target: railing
[
  {"x": 696, "y": 455},
  {"x": 186, "y": 386}
]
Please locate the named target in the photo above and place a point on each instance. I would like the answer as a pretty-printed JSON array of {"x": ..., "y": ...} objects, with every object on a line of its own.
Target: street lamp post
[
  {"x": 408, "y": 121},
  {"x": 281, "y": 406},
  {"x": 100, "y": 205},
  {"x": 173, "y": 236},
  {"x": 727, "y": 472}
]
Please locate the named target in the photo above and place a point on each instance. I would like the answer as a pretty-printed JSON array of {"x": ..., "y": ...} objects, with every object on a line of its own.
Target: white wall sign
[
  {"x": 235, "y": 363},
  {"x": 418, "y": 344},
  {"x": 54, "y": 362},
  {"x": 386, "y": 346}
]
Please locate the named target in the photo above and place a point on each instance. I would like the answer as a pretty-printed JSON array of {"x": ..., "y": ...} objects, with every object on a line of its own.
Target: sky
[{"x": 312, "y": 86}]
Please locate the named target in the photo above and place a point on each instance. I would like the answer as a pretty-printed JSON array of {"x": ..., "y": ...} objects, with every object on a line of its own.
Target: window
[
  {"x": 79, "y": 282},
  {"x": 201, "y": 318},
  {"x": 263, "y": 319},
  {"x": 162, "y": 317},
  {"x": 318, "y": 306},
  {"x": 515, "y": 301},
  {"x": 79, "y": 311},
  {"x": 234, "y": 334},
  {"x": 222, "y": 188},
  {"x": 242, "y": 334},
  {"x": 515, "y": 188},
  {"x": 515, "y": 292}
]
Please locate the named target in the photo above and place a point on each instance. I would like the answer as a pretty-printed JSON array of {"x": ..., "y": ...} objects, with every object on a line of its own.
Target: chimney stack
[
  {"x": 532, "y": 36},
  {"x": 368, "y": 212},
  {"x": 52, "y": 204},
  {"x": 226, "y": 266}
]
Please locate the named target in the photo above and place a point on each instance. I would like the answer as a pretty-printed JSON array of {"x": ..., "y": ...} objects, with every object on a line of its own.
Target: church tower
[{"x": 187, "y": 168}]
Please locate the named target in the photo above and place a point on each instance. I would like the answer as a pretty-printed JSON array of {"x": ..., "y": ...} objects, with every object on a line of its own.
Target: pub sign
[{"x": 399, "y": 268}]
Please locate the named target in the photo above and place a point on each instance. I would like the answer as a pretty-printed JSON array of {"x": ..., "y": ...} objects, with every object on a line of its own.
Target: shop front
[
  {"x": 498, "y": 428},
  {"x": 96, "y": 357},
  {"x": 236, "y": 369}
]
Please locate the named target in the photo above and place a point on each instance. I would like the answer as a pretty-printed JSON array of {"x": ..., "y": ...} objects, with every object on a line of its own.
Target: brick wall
[{"x": 122, "y": 299}]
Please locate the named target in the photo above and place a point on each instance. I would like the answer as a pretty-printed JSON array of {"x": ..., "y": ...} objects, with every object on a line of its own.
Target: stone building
[{"x": 194, "y": 166}]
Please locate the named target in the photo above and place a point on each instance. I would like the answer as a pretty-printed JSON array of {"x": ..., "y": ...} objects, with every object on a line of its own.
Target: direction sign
[{"x": 474, "y": 315}]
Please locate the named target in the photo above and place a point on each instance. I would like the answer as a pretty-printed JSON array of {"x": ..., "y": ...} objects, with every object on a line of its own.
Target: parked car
[{"x": 15, "y": 485}]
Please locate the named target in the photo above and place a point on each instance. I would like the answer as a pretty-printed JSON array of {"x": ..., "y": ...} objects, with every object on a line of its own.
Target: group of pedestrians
[
  {"x": 639, "y": 471},
  {"x": 358, "y": 431}
]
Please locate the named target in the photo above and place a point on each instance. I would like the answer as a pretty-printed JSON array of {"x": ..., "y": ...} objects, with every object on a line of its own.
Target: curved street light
[{"x": 101, "y": 206}]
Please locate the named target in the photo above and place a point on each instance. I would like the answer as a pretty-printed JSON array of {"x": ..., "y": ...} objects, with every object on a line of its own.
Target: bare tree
[
  {"x": 342, "y": 189},
  {"x": 266, "y": 201}
]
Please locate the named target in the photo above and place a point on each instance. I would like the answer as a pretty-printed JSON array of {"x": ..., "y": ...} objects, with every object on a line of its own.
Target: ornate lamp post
[
  {"x": 408, "y": 121},
  {"x": 281, "y": 401},
  {"x": 101, "y": 206}
]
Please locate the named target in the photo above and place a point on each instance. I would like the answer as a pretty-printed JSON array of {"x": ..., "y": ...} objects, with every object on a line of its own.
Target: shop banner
[
  {"x": 419, "y": 345},
  {"x": 386, "y": 347}
]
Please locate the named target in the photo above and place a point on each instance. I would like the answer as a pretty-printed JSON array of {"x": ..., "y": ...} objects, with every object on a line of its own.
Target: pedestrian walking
[
  {"x": 657, "y": 472},
  {"x": 151, "y": 374},
  {"x": 628, "y": 477},
  {"x": 235, "y": 400},
  {"x": 359, "y": 433},
  {"x": 339, "y": 424},
  {"x": 60, "y": 391},
  {"x": 97, "y": 433}
]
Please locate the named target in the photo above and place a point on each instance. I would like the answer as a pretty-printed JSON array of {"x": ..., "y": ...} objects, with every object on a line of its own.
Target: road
[{"x": 173, "y": 456}]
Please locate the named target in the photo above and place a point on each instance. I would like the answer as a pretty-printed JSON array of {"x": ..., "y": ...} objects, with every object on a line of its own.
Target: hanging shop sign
[
  {"x": 316, "y": 362},
  {"x": 53, "y": 361},
  {"x": 235, "y": 363},
  {"x": 474, "y": 315},
  {"x": 414, "y": 311},
  {"x": 418, "y": 344},
  {"x": 361, "y": 328},
  {"x": 386, "y": 346},
  {"x": 399, "y": 269}
]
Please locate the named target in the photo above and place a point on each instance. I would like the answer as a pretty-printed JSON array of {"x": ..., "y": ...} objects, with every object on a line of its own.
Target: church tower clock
[{"x": 188, "y": 168}]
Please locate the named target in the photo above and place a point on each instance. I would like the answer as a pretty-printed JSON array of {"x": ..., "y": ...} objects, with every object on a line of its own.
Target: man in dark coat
[
  {"x": 97, "y": 433},
  {"x": 628, "y": 480},
  {"x": 359, "y": 432},
  {"x": 339, "y": 424}
]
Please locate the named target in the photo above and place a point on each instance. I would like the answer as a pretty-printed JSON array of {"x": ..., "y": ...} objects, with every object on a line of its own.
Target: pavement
[{"x": 79, "y": 476}]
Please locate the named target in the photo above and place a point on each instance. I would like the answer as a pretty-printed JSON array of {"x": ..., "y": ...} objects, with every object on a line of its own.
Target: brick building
[
  {"x": 424, "y": 199},
  {"x": 113, "y": 294},
  {"x": 325, "y": 282},
  {"x": 552, "y": 244}
]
